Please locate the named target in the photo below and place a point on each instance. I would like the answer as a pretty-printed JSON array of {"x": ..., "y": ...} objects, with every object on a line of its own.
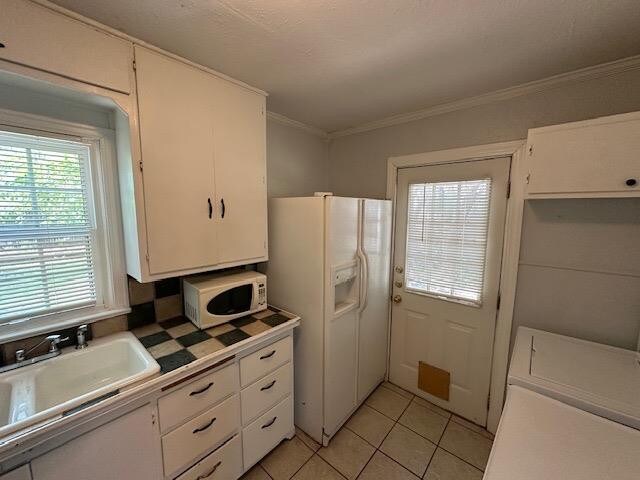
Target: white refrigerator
[{"x": 329, "y": 263}]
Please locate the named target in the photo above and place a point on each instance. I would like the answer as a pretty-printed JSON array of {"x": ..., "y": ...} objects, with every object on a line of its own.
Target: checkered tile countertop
[{"x": 177, "y": 342}]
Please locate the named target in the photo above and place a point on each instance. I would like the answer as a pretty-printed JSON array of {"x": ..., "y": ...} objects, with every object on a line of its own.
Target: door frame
[{"x": 510, "y": 248}]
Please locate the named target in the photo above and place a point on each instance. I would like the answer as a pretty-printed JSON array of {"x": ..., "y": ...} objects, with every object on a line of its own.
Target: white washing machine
[{"x": 572, "y": 412}]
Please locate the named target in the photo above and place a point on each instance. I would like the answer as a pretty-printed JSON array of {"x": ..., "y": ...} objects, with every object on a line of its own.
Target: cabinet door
[
  {"x": 176, "y": 135},
  {"x": 240, "y": 164},
  {"x": 582, "y": 158},
  {"x": 40, "y": 38},
  {"x": 20, "y": 473},
  {"x": 128, "y": 447}
]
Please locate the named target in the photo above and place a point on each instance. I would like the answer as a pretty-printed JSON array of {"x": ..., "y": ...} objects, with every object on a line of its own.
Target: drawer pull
[
  {"x": 268, "y": 355},
  {"x": 202, "y": 429},
  {"x": 213, "y": 470},
  {"x": 202, "y": 390},
  {"x": 270, "y": 422},
  {"x": 267, "y": 387}
]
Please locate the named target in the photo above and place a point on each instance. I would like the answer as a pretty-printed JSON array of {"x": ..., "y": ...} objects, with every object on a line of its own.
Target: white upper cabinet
[
  {"x": 203, "y": 168},
  {"x": 593, "y": 158},
  {"x": 240, "y": 174},
  {"x": 176, "y": 133},
  {"x": 55, "y": 43}
]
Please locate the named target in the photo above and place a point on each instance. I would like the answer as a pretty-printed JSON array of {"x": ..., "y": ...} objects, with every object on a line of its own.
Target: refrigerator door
[
  {"x": 374, "y": 313},
  {"x": 342, "y": 292}
]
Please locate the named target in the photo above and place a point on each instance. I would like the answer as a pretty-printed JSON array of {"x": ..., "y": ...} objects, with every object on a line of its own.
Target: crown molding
[
  {"x": 289, "y": 122},
  {"x": 588, "y": 73}
]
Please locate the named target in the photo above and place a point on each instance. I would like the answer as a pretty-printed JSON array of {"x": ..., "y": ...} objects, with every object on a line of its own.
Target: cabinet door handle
[
  {"x": 224, "y": 209},
  {"x": 267, "y": 387},
  {"x": 211, "y": 472},
  {"x": 210, "y": 207},
  {"x": 631, "y": 182},
  {"x": 268, "y": 355},
  {"x": 202, "y": 390},
  {"x": 2, "y": 45},
  {"x": 202, "y": 429},
  {"x": 270, "y": 422}
]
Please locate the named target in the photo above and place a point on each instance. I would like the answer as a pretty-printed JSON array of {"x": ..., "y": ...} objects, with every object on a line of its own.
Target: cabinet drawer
[
  {"x": 265, "y": 393},
  {"x": 200, "y": 434},
  {"x": 223, "y": 464},
  {"x": 266, "y": 432},
  {"x": 265, "y": 360},
  {"x": 197, "y": 396},
  {"x": 40, "y": 38}
]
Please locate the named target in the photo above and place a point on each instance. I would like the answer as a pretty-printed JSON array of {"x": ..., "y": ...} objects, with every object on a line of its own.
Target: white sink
[{"x": 38, "y": 392}]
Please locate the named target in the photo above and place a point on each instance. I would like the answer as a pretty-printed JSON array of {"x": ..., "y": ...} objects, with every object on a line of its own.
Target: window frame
[{"x": 109, "y": 261}]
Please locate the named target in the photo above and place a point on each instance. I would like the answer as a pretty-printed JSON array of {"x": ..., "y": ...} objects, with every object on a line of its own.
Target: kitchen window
[{"x": 60, "y": 248}]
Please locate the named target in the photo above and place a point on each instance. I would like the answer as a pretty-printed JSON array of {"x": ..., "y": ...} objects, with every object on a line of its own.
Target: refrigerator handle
[{"x": 364, "y": 280}]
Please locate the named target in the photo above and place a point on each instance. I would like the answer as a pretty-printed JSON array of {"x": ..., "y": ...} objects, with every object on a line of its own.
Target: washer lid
[
  {"x": 598, "y": 378},
  {"x": 539, "y": 437}
]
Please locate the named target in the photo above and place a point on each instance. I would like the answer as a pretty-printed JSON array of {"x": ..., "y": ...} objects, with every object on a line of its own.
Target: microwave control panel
[{"x": 262, "y": 294}]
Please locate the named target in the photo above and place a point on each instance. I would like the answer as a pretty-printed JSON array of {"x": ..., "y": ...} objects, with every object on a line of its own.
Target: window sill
[{"x": 41, "y": 325}]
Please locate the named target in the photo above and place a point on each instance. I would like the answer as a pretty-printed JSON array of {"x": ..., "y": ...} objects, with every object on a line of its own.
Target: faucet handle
[
  {"x": 82, "y": 329},
  {"x": 54, "y": 340},
  {"x": 20, "y": 355}
]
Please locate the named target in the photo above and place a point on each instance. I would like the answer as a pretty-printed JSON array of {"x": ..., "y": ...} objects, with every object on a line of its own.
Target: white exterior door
[{"x": 448, "y": 249}]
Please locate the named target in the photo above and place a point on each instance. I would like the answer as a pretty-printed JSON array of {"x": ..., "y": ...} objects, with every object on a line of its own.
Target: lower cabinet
[
  {"x": 126, "y": 448},
  {"x": 20, "y": 473},
  {"x": 223, "y": 464}
]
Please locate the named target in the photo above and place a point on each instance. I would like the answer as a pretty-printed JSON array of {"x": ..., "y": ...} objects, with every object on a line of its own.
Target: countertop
[
  {"x": 178, "y": 342},
  {"x": 181, "y": 350}
]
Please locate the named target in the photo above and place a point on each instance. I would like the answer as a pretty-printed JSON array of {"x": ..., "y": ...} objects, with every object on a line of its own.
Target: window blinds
[
  {"x": 46, "y": 226},
  {"x": 447, "y": 228}
]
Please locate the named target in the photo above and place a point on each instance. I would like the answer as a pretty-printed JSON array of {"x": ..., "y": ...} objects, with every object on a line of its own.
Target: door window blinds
[
  {"x": 46, "y": 226},
  {"x": 447, "y": 229}
]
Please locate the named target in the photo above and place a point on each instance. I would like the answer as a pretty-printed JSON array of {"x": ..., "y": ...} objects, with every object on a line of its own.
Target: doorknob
[
  {"x": 397, "y": 299},
  {"x": 399, "y": 269},
  {"x": 398, "y": 283}
]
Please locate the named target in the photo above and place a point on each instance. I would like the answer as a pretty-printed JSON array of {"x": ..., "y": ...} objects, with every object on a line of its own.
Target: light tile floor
[{"x": 393, "y": 436}]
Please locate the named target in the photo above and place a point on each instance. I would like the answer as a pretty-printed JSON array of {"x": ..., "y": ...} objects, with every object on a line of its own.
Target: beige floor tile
[
  {"x": 308, "y": 441},
  {"x": 203, "y": 349},
  {"x": 347, "y": 453},
  {"x": 147, "y": 330},
  {"x": 424, "y": 421},
  {"x": 432, "y": 407},
  {"x": 182, "y": 329},
  {"x": 469, "y": 446},
  {"x": 317, "y": 469},
  {"x": 388, "y": 402},
  {"x": 370, "y": 425},
  {"x": 397, "y": 389},
  {"x": 382, "y": 467},
  {"x": 256, "y": 473},
  {"x": 472, "y": 426},
  {"x": 445, "y": 466},
  {"x": 164, "y": 348},
  {"x": 408, "y": 449},
  {"x": 287, "y": 458}
]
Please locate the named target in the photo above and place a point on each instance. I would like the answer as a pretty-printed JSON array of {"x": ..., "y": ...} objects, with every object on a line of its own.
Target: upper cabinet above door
[
  {"x": 593, "y": 158},
  {"x": 201, "y": 199},
  {"x": 55, "y": 43}
]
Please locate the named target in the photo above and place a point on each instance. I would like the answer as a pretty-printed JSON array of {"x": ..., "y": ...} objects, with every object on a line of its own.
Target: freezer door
[
  {"x": 341, "y": 311},
  {"x": 374, "y": 313}
]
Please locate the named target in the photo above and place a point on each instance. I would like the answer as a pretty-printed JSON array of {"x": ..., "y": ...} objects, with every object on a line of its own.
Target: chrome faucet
[
  {"x": 81, "y": 336},
  {"x": 21, "y": 355}
]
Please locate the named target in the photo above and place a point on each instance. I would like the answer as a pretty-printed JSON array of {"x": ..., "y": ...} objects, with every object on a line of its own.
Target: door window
[{"x": 447, "y": 226}]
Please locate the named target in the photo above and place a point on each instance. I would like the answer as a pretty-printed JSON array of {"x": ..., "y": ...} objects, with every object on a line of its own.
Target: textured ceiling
[{"x": 340, "y": 63}]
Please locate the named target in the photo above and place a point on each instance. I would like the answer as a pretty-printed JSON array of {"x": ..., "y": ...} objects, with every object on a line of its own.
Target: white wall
[
  {"x": 296, "y": 161},
  {"x": 358, "y": 162},
  {"x": 580, "y": 262}
]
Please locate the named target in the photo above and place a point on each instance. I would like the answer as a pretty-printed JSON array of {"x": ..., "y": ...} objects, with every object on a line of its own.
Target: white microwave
[{"x": 214, "y": 299}]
